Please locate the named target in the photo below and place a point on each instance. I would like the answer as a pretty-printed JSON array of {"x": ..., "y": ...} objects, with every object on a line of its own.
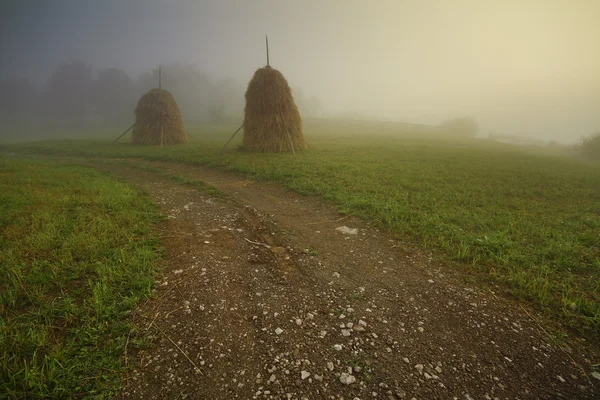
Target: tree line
[{"x": 77, "y": 95}]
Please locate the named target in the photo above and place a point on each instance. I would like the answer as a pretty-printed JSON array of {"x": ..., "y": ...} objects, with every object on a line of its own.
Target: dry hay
[
  {"x": 158, "y": 120},
  {"x": 271, "y": 118}
]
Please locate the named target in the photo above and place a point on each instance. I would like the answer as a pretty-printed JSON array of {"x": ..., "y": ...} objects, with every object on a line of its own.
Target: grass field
[
  {"x": 76, "y": 256},
  {"x": 529, "y": 219}
]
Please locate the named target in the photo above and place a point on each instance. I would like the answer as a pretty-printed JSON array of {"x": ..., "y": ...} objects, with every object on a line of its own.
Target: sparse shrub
[
  {"x": 590, "y": 146},
  {"x": 459, "y": 127}
]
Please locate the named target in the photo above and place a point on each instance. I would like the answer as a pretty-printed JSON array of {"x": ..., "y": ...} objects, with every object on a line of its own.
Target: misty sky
[{"x": 527, "y": 67}]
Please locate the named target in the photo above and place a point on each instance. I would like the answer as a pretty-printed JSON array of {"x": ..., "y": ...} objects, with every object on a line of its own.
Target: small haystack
[
  {"x": 272, "y": 122},
  {"x": 158, "y": 120}
]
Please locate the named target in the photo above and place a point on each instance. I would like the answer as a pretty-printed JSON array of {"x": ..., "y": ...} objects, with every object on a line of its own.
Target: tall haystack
[
  {"x": 158, "y": 120},
  {"x": 272, "y": 122}
]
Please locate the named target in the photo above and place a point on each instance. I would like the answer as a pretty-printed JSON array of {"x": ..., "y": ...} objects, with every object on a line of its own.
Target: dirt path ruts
[{"x": 309, "y": 307}]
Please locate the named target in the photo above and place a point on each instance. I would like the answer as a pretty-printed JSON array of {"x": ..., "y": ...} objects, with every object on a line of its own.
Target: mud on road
[{"x": 260, "y": 297}]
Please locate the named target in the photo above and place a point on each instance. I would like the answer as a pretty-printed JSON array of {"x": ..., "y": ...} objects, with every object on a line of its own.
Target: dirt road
[{"x": 263, "y": 298}]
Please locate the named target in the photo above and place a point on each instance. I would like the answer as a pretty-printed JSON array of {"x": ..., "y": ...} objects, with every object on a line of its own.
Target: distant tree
[
  {"x": 18, "y": 99},
  {"x": 226, "y": 100},
  {"x": 314, "y": 107},
  {"x": 590, "y": 146},
  {"x": 459, "y": 127},
  {"x": 309, "y": 107},
  {"x": 114, "y": 94},
  {"x": 66, "y": 95}
]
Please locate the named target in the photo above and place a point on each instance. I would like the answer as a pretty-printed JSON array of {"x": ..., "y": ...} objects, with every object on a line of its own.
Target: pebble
[
  {"x": 560, "y": 378},
  {"x": 298, "y": 321},
  {"x": 345, "y": 332},
  {"x": 347, "y": 379},
  {"x": 278, "y": 331},
  {"x": 330, "y": 365},
  {"x": 419, "y": 368},
  {"x": 304, "y": 374},
  {"x": 337, "y": 347}
]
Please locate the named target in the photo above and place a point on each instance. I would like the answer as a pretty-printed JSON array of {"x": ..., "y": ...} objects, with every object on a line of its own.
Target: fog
[{"x": 518, "y": 67}]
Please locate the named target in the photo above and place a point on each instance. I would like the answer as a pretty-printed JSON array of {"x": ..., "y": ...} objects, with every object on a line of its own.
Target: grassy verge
[
  {"x": 529, "y": 219},
  {"x": 76, "y": 256}
]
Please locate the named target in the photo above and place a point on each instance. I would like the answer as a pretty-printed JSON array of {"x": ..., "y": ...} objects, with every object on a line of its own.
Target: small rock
[
  {"x": 278, "y": 331},
  {"x": 362, "y": 323},
  {"x": 298, "y": 321},
  {"x": 347, "y": 379},
  {"x": 310, "y": 316},
  {"x": 318, "y": 378},
  {"x": 560, "y": 378},
  {"x": 419, "y": 368},
  {"x": 406, "y": 360},
  {"x": 336, "y": 274},
  {"x": 337, "y": 347},
  {"x": 304, "y": 374},
  {"x": 345, "y": 332},
  {"x": 347, "y": 231},
  {"x": 330, "y": 365}
]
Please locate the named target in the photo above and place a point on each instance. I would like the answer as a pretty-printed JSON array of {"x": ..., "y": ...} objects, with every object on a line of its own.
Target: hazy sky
[{"x": 528, "y": 67}]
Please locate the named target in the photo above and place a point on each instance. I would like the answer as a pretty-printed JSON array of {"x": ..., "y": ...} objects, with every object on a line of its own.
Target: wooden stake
[
  {"x": 123, "y": 134},
  {"x": 232, "y": 136},
  {"x": 290, "y": 139},
  {"x": 267, "y": 42}
]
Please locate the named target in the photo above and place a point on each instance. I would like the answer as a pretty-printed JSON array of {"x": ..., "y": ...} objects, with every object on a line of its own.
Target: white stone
[
  {"x": 337, "y": 347},
  {"x": 347, "y": 231},
  {"x": 345, "y": 332},
  {"x": 304, "y": 374},
  {"x": 347, "y": 379},
  {"x": 278, "y": 331}
]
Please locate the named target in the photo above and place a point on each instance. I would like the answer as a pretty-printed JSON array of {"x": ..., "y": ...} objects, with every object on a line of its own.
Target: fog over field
[{"x": 519, "y": 67}]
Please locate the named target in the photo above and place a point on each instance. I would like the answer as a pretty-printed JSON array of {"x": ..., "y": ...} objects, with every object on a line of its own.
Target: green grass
[
  {"x": 529, "y": 219},
  {"x": 76, "y": 256}
]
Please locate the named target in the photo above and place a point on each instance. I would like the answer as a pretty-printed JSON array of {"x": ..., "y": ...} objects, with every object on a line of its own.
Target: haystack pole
[{"x": 123, "y": 134}]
